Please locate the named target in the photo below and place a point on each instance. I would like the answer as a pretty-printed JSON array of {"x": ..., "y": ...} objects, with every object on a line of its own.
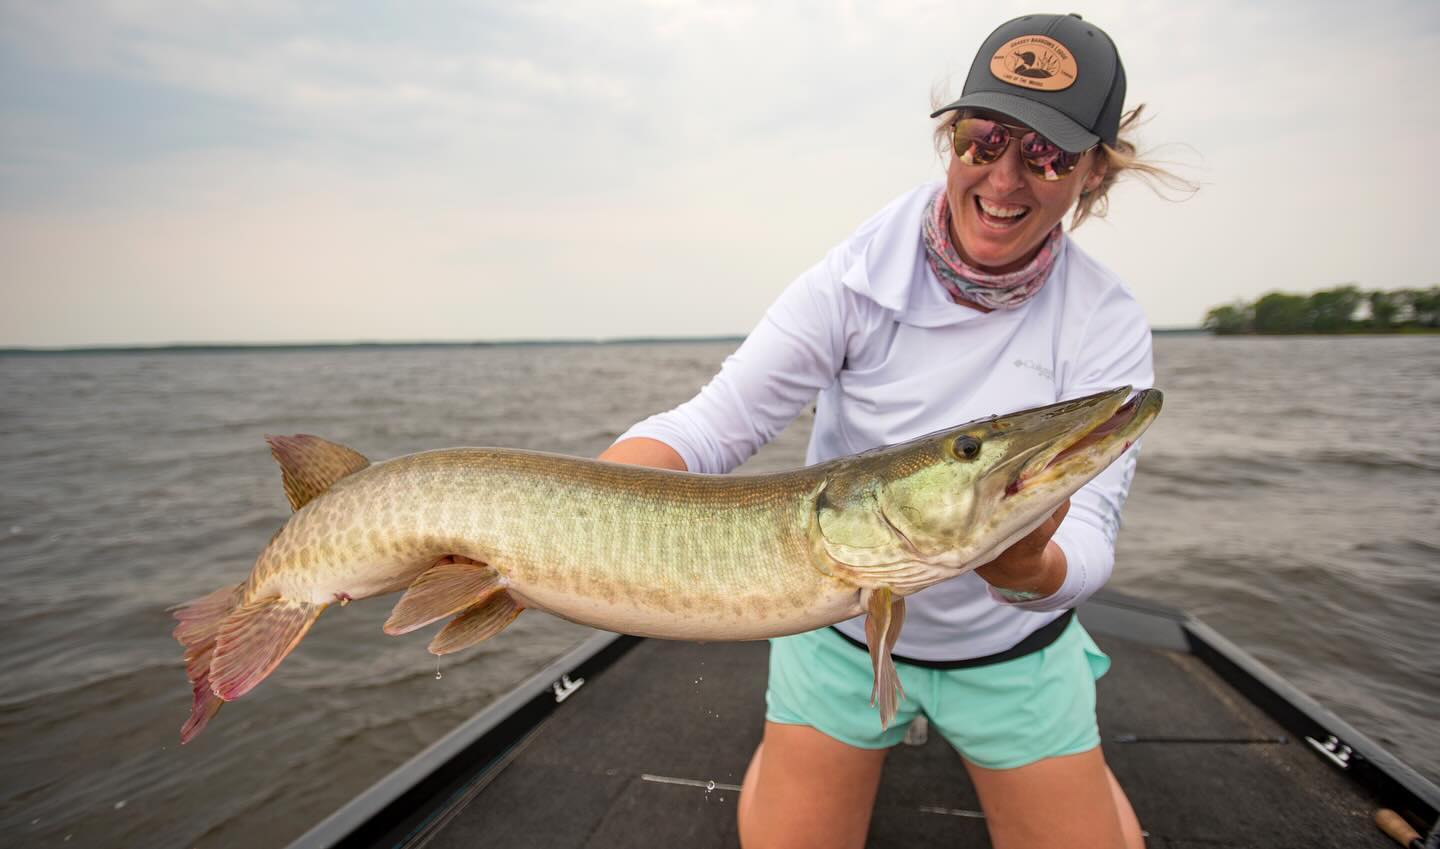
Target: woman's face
[{"x": 1000, "y": 214}]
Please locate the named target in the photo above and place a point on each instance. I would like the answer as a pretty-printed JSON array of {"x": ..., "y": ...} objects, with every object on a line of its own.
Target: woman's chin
[{"x": 994, "y": 254}]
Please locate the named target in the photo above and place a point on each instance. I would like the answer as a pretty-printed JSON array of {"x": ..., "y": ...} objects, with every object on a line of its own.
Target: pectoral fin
[
  {"x": 452, "y": 585},
  {"x": 480, "y": 622},
  {"x": 886, "y": 615}
]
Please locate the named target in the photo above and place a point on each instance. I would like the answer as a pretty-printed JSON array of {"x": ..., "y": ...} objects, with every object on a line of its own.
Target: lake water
[{"x": 1289, "y": 495}]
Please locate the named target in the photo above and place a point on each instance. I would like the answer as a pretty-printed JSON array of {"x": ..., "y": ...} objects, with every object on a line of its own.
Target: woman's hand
[{"x": 1034, "y": 564}]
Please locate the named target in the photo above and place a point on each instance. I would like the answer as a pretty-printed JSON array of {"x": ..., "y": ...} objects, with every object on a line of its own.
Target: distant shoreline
[
  {"x": 1308, "y": 334},
  {"x": 293, "y": 347}
]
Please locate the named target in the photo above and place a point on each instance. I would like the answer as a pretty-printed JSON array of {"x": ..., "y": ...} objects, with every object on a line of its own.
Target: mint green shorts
[{"x": 999, "y": 716}]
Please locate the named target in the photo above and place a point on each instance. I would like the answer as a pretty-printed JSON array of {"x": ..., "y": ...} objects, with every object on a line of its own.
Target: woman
[{"x": 952, "y": 303}]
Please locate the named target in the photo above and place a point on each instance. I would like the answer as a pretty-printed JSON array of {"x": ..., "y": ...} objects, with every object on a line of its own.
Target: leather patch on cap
[{"x": 1036, "y": 62}]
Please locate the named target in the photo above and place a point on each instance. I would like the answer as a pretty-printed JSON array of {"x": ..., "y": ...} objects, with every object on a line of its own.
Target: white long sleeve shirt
[{"x": 871, "y": 335}]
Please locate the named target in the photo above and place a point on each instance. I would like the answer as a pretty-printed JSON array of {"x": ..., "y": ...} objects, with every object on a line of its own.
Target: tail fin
[{"x": 198, "y": 629}]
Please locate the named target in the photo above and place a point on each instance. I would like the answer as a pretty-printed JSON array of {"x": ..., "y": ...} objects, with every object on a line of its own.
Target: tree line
[{"x": 1344, "y": 309}]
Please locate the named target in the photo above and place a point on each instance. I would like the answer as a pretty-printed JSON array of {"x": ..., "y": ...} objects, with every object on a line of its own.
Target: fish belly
[{"x": 680, "y": 616}]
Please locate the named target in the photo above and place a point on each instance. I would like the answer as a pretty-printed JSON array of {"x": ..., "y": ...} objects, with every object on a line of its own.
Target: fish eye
[{"x": 967, "y": 448}]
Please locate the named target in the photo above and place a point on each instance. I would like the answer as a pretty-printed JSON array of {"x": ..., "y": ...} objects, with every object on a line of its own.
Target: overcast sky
[{"x": 304, "y": 171}]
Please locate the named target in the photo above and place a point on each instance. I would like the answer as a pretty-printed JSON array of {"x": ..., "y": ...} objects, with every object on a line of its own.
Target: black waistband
[{"x": 1036, "y": 641}]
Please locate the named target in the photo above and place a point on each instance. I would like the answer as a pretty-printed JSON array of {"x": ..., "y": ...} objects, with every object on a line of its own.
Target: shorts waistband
[{"x": 1035, "y": 641}]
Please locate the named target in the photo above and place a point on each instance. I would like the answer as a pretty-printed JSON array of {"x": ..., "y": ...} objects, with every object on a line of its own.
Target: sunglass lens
[
  {"x": 1045, "y": 159},
  {"x": 980, "y": 142}
]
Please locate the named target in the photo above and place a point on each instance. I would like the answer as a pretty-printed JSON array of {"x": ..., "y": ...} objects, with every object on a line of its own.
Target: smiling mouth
[{"x": 999, "y": 214}]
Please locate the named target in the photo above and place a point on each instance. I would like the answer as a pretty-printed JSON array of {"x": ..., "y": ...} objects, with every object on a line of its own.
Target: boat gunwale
[
  {"x": 1390, "y": 779},
  {"x": 1384, "y": 775},
  {"x": 465, "y": 750}
]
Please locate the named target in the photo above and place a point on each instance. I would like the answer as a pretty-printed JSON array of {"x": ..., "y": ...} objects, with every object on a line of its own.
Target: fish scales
[{"x": 731, "y": 550}]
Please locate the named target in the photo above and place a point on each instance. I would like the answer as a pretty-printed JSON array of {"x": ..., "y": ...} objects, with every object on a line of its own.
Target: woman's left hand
[{"x": 1034, "y": 564}]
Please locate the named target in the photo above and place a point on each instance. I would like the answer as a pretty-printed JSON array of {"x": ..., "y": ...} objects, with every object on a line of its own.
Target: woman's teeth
[{"x": 998, "y": 211}]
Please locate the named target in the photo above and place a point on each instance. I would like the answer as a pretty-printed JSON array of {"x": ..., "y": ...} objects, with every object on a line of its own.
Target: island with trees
[{"x": 1344, "y": 309}]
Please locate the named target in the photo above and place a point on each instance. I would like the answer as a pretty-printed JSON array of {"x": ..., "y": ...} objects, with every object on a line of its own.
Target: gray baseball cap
[{"x": 1057, "y": 74}]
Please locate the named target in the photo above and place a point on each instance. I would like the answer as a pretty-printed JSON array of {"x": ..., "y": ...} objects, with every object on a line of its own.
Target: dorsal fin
[{"x": 310, "y": 465}]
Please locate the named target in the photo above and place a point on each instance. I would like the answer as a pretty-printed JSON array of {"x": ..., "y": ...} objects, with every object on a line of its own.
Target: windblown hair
[{"x": 1120, "y": 159}]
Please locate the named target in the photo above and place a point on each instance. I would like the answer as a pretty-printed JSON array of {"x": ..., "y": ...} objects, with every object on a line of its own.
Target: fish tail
[
  {"x": 231, "y": 645},
  {"x": 199, "y": 626}
]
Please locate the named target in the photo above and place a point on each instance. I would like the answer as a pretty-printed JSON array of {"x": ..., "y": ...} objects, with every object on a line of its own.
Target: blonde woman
[{"x": 958, "y": 300}]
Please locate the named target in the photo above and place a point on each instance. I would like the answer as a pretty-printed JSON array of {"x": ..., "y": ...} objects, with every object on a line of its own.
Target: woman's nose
[{"x": 1008, "y": 173}]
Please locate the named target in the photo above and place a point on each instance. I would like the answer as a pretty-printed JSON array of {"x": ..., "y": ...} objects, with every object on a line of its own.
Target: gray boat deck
[{"x": 671, "y": 710}]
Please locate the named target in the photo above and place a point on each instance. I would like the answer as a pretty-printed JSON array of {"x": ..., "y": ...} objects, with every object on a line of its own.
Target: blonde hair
[{"x": 1121, "y": 158}]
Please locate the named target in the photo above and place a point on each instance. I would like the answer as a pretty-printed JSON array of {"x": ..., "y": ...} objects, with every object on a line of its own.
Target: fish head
[{"x": 954, "y": 499}]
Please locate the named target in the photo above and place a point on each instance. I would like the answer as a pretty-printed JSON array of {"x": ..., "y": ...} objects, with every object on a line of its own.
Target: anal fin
[
  {"x": 253, "y": 640},
  {"x": 886, "y": 616},
  {"x": 451, "y": 585},
  {"x": 480, "y": 622}
]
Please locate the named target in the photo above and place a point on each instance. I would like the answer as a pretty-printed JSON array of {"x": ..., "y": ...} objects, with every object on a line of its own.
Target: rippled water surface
[{"x": 1288, "y": 495}]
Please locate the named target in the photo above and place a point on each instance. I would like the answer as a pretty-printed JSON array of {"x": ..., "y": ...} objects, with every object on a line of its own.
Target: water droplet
[
  {"x": 35, "y": 821},
  {"x": 709, "y": 785},
  {"x": 438, "y": 676},
  {"x": 16, "y": 529},
  {"x": 120, "y": 804}
]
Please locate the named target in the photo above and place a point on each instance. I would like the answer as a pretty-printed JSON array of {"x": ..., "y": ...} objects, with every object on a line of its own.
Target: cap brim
[{"x": 1048, "y": 122}]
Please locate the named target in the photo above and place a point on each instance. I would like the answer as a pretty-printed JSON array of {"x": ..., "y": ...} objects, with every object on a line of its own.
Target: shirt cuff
[{"x": 1079, "y": 584}]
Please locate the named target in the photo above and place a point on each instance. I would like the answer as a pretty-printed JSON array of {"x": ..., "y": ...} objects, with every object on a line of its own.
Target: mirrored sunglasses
[{"x": 981, "y": 141}]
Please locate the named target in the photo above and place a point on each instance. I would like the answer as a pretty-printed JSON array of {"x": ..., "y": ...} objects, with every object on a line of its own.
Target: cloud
[{"x": 465, "y": 170}]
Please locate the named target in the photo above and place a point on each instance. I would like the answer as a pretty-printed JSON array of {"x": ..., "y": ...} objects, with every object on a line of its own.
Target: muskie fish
[{"x": 481, "y": 534}]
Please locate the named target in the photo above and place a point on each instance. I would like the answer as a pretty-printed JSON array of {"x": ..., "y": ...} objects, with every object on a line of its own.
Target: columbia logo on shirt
[{"x": 1034, "y": 366}]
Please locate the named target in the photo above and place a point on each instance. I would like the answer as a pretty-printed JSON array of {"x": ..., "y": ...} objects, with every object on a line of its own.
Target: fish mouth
[{"x": 1103, "y": 427}]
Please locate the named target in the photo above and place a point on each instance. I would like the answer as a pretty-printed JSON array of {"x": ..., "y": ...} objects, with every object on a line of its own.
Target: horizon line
[{"x": 204, "y": 347}]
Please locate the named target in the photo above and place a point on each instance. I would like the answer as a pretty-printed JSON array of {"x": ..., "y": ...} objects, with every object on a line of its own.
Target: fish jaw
[{"x": 1090, "y": 447}]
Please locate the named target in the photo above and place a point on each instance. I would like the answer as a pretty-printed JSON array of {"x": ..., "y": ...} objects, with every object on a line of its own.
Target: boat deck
[{"x": 627, "y": 760}]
